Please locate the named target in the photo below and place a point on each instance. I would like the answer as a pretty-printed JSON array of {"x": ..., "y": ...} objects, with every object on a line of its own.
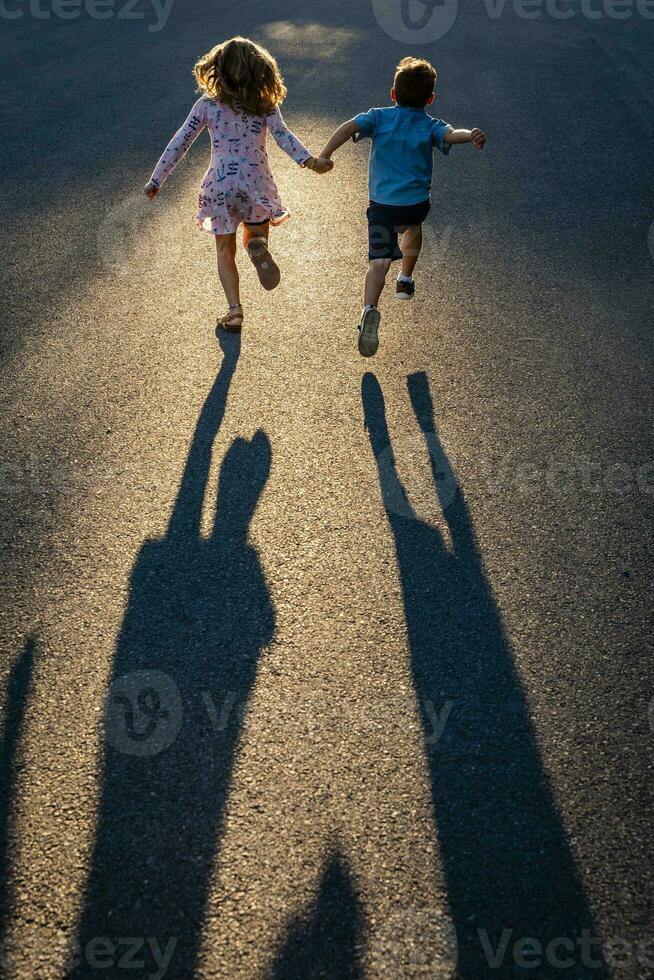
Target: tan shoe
[{"x": 232, "y": 322}]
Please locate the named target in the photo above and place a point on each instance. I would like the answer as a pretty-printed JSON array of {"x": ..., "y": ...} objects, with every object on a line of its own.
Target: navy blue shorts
[{"x": 386, "y": 222}]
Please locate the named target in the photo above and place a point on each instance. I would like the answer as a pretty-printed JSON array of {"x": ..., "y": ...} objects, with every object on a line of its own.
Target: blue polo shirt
[{"x": 402, "y": 152}]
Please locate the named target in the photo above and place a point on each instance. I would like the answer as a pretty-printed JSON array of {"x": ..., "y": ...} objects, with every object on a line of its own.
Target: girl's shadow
[
  {"x": 198, "y": 615},
  {"x": 509, "y": 870},
  {"x": 16, "y": 700}
]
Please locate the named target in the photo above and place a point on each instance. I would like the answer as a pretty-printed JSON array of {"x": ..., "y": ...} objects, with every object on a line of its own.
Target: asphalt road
[{"x": 314, "y": 666}]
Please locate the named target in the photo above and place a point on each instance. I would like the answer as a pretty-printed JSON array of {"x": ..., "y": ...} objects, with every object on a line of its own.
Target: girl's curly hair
[{"x": 242, "y": 74}]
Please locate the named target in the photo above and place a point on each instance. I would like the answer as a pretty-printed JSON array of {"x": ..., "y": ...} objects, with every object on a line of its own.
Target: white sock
[{"x": 403, "y": 278}]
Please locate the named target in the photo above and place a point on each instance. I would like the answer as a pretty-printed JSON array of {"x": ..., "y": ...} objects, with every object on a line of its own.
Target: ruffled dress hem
[{"x": 216, "y": 225}]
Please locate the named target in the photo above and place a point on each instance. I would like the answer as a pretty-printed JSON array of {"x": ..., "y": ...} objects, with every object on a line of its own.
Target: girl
[{"x": 243, "y": 90}]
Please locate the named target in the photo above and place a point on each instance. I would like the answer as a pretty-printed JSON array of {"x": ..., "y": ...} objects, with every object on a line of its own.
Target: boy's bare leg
[
  {"x": 371, "y": 318},
  {"x": 375, "y": 280},
  {"x": 411, "y": 246}
]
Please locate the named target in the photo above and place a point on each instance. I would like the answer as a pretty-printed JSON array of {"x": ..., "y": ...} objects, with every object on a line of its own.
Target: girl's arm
[
  {"x": 178, "y": 146},
  {"x": 287, "y": 140}
]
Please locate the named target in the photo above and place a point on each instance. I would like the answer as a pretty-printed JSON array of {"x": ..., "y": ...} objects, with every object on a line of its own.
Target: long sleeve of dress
[
  {"x": 285, "y": 139},
  {"x": 181, "y": 142}
]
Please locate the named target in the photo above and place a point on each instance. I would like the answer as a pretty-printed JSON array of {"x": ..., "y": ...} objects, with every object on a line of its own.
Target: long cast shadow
[
  {"x": 19, "y": 686},
  {"x": 509, "y": 870},
  {"x": 324, "y": 945},
  {"x": 198, "y": 615}
]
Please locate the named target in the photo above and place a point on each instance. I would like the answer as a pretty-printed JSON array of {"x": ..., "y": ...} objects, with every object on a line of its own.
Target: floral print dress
[{"x": 239, "y": 185}]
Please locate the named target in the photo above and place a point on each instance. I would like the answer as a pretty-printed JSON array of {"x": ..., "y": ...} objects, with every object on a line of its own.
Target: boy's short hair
[{"x": 414, "y": 82}]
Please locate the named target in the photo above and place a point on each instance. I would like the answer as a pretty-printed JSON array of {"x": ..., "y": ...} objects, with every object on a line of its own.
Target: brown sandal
[
  {"x": 267, "y": 268},
  {"x": 227, "y": 322}
]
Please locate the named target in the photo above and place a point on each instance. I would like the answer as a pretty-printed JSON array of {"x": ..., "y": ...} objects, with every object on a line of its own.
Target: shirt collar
[{"x": 412, "y": 108}]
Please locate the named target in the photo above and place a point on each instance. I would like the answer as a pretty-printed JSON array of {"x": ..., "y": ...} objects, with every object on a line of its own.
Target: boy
[{"x": 401, "y": 168}]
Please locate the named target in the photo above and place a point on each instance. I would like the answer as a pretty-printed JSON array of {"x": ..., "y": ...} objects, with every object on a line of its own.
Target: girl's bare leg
[
  {"x": 255, "y": 240},
  {"x": 227, "y": 269},
  {"x": 255, "y": 231}
]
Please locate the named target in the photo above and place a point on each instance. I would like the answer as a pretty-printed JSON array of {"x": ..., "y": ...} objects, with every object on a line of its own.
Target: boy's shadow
[
  {"x": 198, "y": 615},
  {"x": 506, "y": 858}
]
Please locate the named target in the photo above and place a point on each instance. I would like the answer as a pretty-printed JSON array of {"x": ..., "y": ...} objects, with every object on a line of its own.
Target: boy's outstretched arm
[
  {"x": 474, "y": 136},
  {"x": 341, "y": 136}
]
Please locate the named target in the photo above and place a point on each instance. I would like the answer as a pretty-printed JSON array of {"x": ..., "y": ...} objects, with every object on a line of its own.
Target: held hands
[
  {"x": 151, "y": 190},
  {"x": 321, "y": 165},
  {"x": 478, "y": 138}
]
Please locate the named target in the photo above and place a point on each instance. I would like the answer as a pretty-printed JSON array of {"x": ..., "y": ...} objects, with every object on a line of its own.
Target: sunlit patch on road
[
  {"x": 310, "y": 40},
  {"x": 130, "y": 223}
]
